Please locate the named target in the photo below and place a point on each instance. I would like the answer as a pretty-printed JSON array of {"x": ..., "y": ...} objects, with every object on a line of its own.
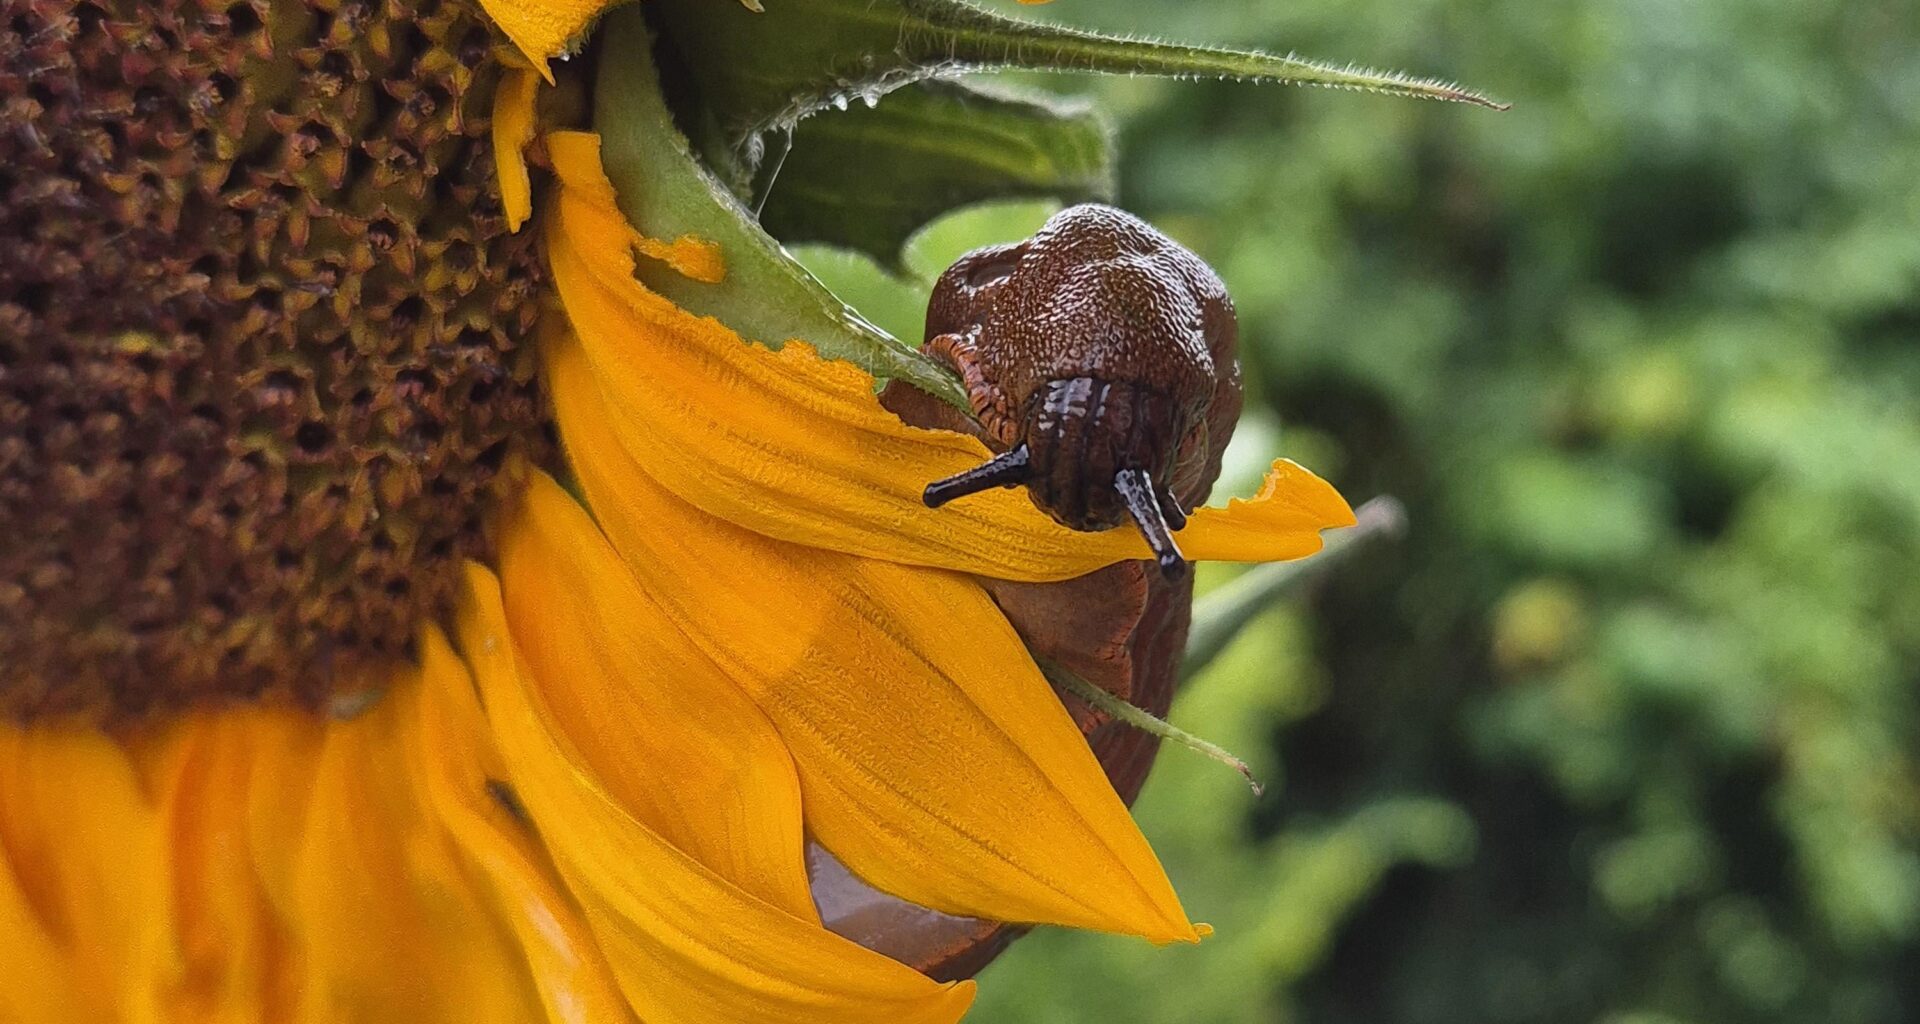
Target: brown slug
[{"x": 1099, "y": 357}]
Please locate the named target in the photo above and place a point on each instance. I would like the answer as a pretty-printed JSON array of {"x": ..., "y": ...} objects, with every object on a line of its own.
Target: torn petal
[
  {"x": 686, "y": 945},
  {"x": 513, "y": 130},
  {"x": 797, "y": 447},
  {"x": 934, "y": 758},
  {"x": 544, "y": 29}
]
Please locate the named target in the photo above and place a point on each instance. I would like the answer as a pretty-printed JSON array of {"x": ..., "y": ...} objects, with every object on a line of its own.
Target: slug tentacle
[
  {"x": 1136, "y": 489},
  {"x": 1008, "y": 469},
  {"x": 1170, "y": 508}
]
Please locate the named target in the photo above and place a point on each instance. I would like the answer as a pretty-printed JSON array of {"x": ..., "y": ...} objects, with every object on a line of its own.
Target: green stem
[
  {"x": 1223, "y": 613},
  {"x": 1146, "y": 722}
]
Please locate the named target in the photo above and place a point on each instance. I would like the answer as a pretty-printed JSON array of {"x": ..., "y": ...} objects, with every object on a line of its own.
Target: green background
[{"x": 1624, "y": 728}]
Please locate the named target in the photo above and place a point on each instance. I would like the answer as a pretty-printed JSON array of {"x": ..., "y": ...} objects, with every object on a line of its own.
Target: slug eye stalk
[
  {"x": 1148, "y": 509},
  {"x": 1008, "y": 469},
  {"x": 1136, "y": 489}
]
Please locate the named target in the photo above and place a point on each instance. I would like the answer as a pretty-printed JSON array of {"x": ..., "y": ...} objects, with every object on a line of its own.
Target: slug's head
[
  {"x": 1089, "y": 353},
  {"x": 1092, "y": 457}
]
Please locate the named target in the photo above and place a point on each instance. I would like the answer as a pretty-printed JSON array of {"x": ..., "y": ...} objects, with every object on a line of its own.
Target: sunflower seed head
[{"x": 261, "y": 330}]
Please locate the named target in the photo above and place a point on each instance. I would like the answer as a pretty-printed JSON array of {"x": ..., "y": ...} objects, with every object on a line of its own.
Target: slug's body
[
  {"x": 1098, "y": 356},
  {"x": 1099, "y": 359}
]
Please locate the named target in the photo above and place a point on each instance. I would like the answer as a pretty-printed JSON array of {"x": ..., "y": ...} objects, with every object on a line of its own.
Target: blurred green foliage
[{"x": 1625, "y": 730}]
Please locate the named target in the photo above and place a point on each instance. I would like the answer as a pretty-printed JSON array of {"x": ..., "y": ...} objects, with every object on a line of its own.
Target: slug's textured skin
[
  {"x": 1098, "y": 342},
  {"x": 1096, "y": 296}
]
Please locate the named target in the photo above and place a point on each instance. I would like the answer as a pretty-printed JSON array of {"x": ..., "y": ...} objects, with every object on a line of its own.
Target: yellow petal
[
  {"x": 86, "y": 897},
  {"x": 513, "y": 130},
  {"x": 686, "y": 944},
  {"x": 38, "y": 984},
  {"x": 200, "y": 771},
  {"x": 543, "y": 29},
  {"x": 797, "y": 447},
  {"x": 934, "y": 759},
  {"x": 456, "y": 764},
  {"x": 385, "y": 916},
  {"x": 321, "y": 876},
  {"x": 265, "y": 863},
  {"x": 657, "y": 723}
]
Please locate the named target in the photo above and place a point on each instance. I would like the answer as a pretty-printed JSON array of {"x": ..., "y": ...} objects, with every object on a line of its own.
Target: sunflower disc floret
[{"x": 260, "y": 324}]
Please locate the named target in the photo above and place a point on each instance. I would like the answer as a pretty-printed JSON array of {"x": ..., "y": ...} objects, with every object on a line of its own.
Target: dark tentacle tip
[
  {"x": 1176, "y": 516},
  {"x": 1008, "y": 469},
  {"x": 1135, "y": 487}
]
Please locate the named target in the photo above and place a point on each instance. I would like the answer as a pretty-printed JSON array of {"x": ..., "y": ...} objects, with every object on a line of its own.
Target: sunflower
[{"x": 439, "y": 587}]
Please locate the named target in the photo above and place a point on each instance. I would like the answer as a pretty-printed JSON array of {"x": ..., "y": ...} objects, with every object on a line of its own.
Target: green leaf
[
  {"x": 868, "y": 178},
  {"x": 752, "y": 72},
  {"x": 665, "y": 193}
]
